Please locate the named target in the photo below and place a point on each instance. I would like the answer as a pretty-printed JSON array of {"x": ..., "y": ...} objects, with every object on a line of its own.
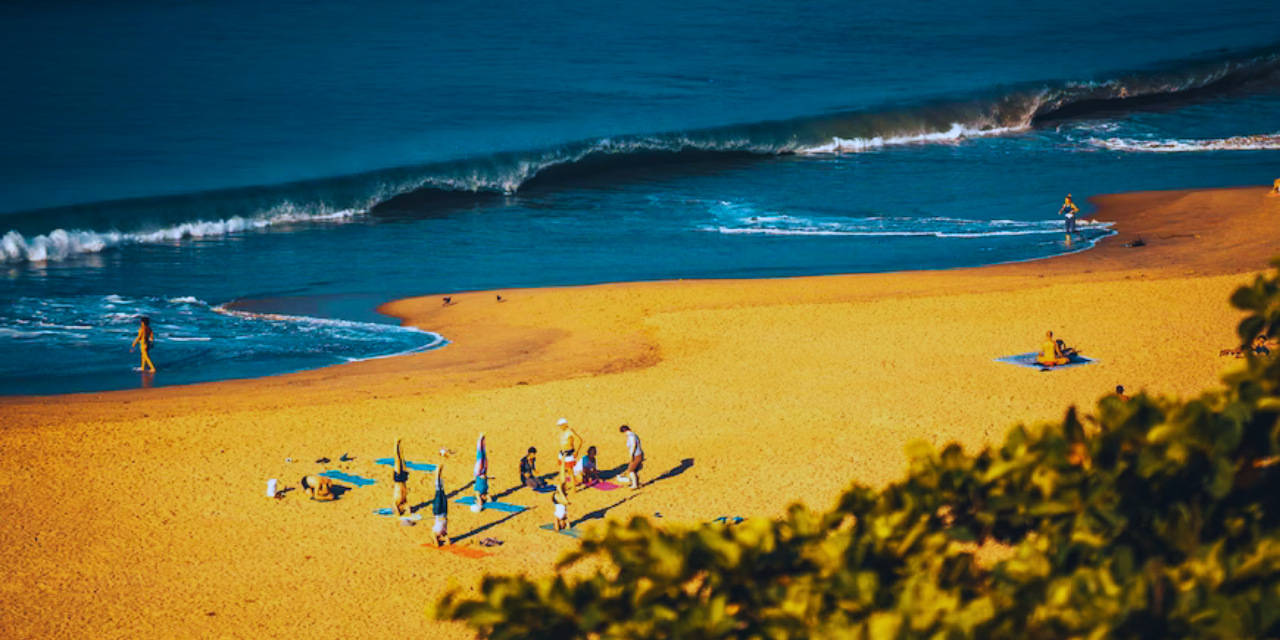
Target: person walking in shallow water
[
  {"x": 146, "y": 338},
  {"x": 1069, "y": 209}
]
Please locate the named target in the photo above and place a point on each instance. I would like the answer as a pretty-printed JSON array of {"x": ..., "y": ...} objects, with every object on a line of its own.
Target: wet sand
[{"x": 142, "y": 513}]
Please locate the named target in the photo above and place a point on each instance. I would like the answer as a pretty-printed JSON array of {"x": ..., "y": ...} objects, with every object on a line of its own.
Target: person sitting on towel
[
  {"x": 1050, "y": 354},
  {"x": 585, "y": 470},
  {"x": 1067, "y": 352},
  {"x": 317, "y": 487},
  {"x": 529, "y": 471}
]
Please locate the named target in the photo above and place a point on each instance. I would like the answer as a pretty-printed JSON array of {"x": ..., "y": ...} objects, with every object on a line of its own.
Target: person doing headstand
[
  {"x": 399, "y": 484},
  {"x": 1050, "y": 353},
  {"x": 145, "y": 340},
  {"x": 481, "y": 474},
  {"x": 561, "y": 501},
  {"x": 440, "y": 505}
]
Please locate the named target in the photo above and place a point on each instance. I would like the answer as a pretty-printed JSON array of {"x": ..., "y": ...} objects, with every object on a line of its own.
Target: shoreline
[{"x": 749, "y": 395}]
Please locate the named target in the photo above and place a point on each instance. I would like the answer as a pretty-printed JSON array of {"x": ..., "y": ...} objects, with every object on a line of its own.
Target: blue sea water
[{"x": 317, "y": 158}]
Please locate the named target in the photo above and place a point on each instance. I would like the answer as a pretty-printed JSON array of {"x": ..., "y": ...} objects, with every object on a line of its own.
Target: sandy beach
[{"x": 142, "y": 513}]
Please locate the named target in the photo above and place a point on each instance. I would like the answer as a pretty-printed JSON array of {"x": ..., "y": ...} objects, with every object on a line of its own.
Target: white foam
[
  {"x": 60, "y": 244},
  {"x": 957, "y": 133},
  {"x": 1259, "y": 142}
]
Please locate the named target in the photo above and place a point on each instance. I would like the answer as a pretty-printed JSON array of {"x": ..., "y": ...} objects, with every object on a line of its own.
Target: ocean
[{"x": 258, "y": 178}]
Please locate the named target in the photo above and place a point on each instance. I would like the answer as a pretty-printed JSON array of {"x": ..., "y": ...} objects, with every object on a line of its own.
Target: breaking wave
[
  {"x": 1260, "y": 142},
  {"x": 439, "y": 188}
]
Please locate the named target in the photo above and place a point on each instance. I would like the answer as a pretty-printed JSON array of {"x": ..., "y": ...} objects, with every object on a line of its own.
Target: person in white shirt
[{"x": 632, "y": 474}]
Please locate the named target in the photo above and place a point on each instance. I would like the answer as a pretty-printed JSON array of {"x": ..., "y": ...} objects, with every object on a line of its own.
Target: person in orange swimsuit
[{"x": 146, "y": 338}]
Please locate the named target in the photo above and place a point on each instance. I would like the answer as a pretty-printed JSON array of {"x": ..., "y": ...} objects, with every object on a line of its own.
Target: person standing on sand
[
  {"x": 632, "y": 474},
  {"x": 145, "y": 340},
  {"x": 570, "y": 442},
  {"x": 440, "y": 505},
  {"x": 1050, "y": 355},
  {"x": 1069, "y": 209},
  {"x": 399, "y": 484}
]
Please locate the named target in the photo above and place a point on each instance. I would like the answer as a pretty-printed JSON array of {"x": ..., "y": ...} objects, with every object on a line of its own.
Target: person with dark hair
[
  {"x": 317, "y": 487},
  {"x": 1051, "y": 353},
  {"x": 440, "y": 505},
  {"x": 1120, "y": 392},
  {"x": 145, "y": 340},
  {"x": 529, "y": 470},
  {"x": 399, "y": 484},
  {"x": 632, "y": 474},
  {"x": 1069, "y": 209},
  {"x": 585, "y": 471}
]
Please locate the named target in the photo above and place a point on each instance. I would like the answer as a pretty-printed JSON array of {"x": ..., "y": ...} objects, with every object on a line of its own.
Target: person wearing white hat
[{"x": 570, "y": 442}]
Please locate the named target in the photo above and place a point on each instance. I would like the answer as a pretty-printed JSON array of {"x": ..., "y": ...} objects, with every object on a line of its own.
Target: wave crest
[{"x": 1259, "y": 142}]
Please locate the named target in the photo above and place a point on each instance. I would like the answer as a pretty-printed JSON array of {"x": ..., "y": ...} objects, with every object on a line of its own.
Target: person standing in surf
[
  {"x": 145, "y": 340},
  {"x": 1069, "y": 209}
]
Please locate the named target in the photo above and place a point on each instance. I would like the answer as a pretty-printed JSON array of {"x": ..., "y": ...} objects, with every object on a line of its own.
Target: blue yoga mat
[
  {"x": 1029, "y": 360},
  {"x": 347, "y": 477},
  {"x": 499, "y": 506},
  {"x": 416, "y": 466},
  {"x": 571, "y": 532},
  {"x": 388, "y": 511}
]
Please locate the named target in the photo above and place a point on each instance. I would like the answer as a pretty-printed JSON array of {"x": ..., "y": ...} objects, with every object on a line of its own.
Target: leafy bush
[{"x": 1151, "y": 518}]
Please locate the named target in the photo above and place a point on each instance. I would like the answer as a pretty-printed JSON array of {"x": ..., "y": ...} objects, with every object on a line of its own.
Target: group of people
[{"x": 576, "y": 471}]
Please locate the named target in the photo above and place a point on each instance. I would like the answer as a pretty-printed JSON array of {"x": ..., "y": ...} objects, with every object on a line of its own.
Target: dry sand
[{"x": 142, "y": 513}]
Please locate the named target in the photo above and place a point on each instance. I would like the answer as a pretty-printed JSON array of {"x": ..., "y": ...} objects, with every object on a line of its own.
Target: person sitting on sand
[
  {"x": 1275, "y": 188},
  {"x": 440, "y": 505},
  {"x": 1050, "y": 355},
  {"x": 585, "y": 472},
  {"x": 399, "y": 484},
  {"x": 632, "y": 474},
  {"x": 317, "y": 487},
  {"x": 1065, "y": 351},
  {"x": 570, "y": 442},
  {"x": 561, "y": 501},
  {"x": 1260, "y": 346},
  {"x": 145, "y": 340},
  {"x": 529, "y": 471},
  {"x": 1120, "y": 393},
  {"x": 481, "y": 474}
]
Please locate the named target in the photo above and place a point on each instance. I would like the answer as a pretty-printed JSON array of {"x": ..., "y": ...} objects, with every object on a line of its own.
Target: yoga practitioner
[
  {"x": 440, "y": 505},
  {"x": 482, "y": 475},
  {"x": 570, "y": 442},
  {"x": 1120, "y": 393},
  {"x": 317, "y": 487},
  {"x": 632, "y": 476},
  {"x": 561, "y": 501},
  {"x": 1050, "y": 354},
  {"x": 146, "y": 338},
  {"x": 529, "y": 470},
  {"x": 399, "y": 484},
  {"x": 585, "y": 472}
]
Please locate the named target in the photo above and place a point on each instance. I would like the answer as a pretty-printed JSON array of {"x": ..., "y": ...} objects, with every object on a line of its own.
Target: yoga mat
[
  {"x": 571, "y": 532},
  {"x": 604, "y": 485},
  {"x": 347, "y": 477},
  {"x": 546, "y": 489},
  {"x": 416, "y": 466},
  {"x": 499, "y": 506},
  {"x": 1029, "y": 360},
  {"x": 388, "y": 511},
  {"x": 465, "y": 552}
]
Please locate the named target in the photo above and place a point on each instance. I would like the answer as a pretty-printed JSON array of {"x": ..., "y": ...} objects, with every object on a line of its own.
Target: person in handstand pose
[
  {"x": 400, "y": 486},
  {"x": 561, "y": 501},
  {"x": 481, "y": 474},
  {"x": 440, "y": 505}
]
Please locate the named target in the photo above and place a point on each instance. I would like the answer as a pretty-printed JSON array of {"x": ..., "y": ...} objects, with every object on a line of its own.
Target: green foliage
[{"x": 1152, "y": 518}]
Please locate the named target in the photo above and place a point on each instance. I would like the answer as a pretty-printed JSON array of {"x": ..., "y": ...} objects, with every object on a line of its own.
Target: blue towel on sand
[
  {"x": 1029, "y": 360},
  {"x": 388, "y": 511},
  {"x": 500, "y": 506},
  {"x": 571, "y": 532},
  {"x": 346, "y": 477},
  {"x": 416, "y": 466}
]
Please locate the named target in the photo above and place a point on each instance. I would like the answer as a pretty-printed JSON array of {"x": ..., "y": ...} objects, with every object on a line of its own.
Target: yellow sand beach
[{"x": 143, "y": 513}]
